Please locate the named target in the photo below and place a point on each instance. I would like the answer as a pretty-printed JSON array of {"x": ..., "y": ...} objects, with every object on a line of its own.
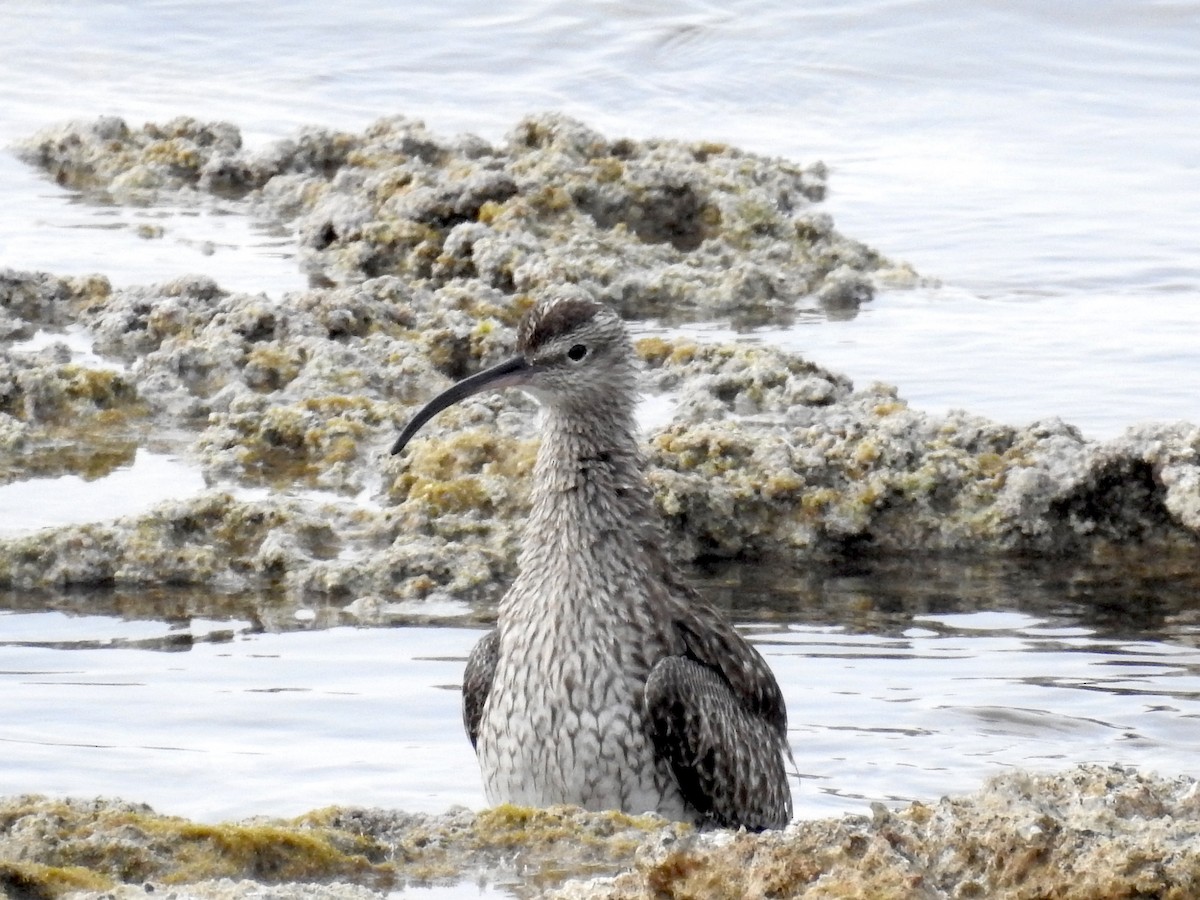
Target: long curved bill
[{"x": 509, "y": 373}]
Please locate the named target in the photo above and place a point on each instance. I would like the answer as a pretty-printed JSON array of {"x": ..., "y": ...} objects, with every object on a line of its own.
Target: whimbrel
[{"x": 607, "y": 683}]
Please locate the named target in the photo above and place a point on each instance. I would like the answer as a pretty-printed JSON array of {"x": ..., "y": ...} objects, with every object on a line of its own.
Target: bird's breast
[{"x": 565, "y": 720}]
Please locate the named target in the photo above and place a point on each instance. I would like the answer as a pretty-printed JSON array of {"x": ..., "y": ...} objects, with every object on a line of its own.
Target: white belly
[{"x": 547, "y": 737}]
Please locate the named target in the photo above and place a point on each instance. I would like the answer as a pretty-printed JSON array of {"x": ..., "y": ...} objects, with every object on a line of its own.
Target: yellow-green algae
[
  {"x": 294, "y": 442},
  {"x": 68, "y": 845},
  {"x": 475, "y": 469},
  {"x": 66, "y": 417},
  {"x": 110, "y": 156},
  {"x": 90, "y": 453},
  {"x": 122, "y": 843},
  {"x": 34, "y": 881},
  {"x": 1087, "y": 833},
  {"x": 544, "y": 846},
  {"x": 271, "y": 366},
  {"x": 566, "y": 846},
  {"x": 70, "y": 393}
]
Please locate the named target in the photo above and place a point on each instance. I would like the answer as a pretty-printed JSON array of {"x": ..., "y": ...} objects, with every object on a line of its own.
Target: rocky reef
[
  {"x": 1087, "y": 833},
  {"x": 423, "y": 253},
  {"x": 656, "y": 228},
  {"x": 428, "y": 250},
  {"x": 767, "y": 455}
]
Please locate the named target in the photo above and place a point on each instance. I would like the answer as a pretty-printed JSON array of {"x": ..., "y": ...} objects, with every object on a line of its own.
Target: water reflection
[
  {"x": 1138, "y": 593},
  {"x": 78, "y": 484},
  {"x": 905, "y": 679}
]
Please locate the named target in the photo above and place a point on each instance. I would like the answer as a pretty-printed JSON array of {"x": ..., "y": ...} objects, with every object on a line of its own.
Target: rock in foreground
[{"x": 1090, "y": 832}]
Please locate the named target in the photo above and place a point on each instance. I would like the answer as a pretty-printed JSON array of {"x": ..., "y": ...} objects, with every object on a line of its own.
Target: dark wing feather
[
  {"x": 714, "y": 643},
  {"x": 717, "y": 715},
  {"x": 477, "y": 681},
  {"x": 727, "y": 761}
]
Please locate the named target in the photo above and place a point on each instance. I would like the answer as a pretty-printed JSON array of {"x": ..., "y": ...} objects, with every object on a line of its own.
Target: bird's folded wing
[
  {"x": 727, "y": 760},
  {"x": 477, "y": 681},
  {"x": 711, "y": 641}
]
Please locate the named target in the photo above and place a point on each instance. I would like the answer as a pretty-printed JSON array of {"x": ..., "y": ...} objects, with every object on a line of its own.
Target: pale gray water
[
  {"x": 902, "y": 682},
  {"x": 238, "y": 723},
  {"x": 26, "y": 506},
  {"x": 1043, "y": 161}
]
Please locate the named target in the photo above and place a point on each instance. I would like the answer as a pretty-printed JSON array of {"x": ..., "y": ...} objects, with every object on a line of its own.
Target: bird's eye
[{"x": 576, "y": 353}]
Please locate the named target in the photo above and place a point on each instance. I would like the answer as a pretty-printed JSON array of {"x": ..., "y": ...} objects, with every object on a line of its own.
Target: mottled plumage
[{"x": 607, "y": 683}]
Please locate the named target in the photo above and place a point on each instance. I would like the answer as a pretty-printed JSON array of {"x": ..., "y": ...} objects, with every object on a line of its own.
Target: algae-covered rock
[
  {"x": 428, "y": 251},
  {"x": 813, "y": 468},
  {"x": 768, "y": 455},
  {"x": 42, "y": 299},
  {"x": 280, "y": 391},
  {"x": 209, "y": 539},
  {"x": 657, "y": 228},
  {"x": 1089, "y": 832},
  {"x": 58, "y": 416},
  {"x": 118, "y": 842},
  {"x": 107, "y": 153},
  {"x": 56, "y": 846}
]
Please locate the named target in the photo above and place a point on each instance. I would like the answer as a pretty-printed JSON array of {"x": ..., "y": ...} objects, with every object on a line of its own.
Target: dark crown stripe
[{"x": 546, "y": 322}]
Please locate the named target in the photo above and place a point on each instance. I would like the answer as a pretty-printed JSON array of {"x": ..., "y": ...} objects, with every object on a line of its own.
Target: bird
[{"x": 607, "y": 682}]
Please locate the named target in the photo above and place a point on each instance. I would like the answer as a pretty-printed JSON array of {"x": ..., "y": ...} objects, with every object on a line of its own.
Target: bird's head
[{"x": 573, "y": 353}]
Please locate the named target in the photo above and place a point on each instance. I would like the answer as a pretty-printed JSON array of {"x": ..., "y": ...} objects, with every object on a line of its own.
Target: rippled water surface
[
  {"x": 901, "y": 683},
  {"x": 1042, "y": 161}
]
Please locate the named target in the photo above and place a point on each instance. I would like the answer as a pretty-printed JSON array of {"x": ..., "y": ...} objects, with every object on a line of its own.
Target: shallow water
[
  {"x": 902, "y": 682},
  {"x": 27, "y": 506},
  {"x": 1041, "y": 161}
]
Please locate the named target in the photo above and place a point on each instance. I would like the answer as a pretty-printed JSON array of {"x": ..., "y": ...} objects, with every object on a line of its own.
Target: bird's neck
[
  {"x": 582, "y": 452},
  {"x": 593, "y": 514}
]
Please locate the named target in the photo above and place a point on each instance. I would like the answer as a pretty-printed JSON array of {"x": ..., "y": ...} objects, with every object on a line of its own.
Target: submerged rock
[{"x": 1089, "y": 832}]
